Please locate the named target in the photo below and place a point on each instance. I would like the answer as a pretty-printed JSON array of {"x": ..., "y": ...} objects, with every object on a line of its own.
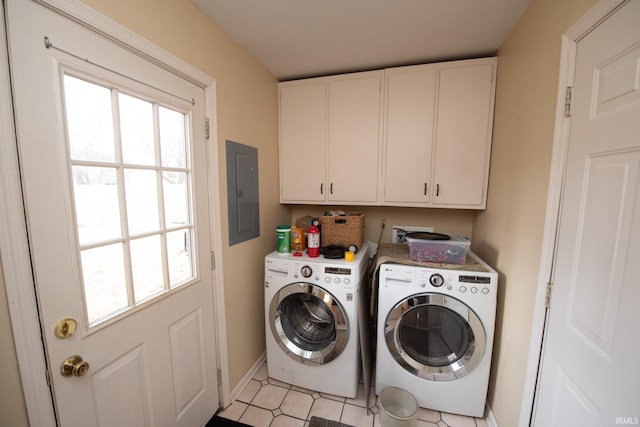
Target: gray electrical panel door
[{"x": 242, "y": 192}]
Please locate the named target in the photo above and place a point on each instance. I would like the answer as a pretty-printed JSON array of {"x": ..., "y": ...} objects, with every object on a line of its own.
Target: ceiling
[{"x": 306, "y": 38}]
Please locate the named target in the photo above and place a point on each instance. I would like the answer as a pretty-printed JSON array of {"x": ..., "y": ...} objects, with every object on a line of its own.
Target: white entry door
[
  {"x": 112, "y": 154},
  {"x": 590, "y": 368}
]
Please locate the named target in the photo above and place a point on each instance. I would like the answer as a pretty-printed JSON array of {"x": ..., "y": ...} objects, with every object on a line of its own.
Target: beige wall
[
  {"x": 508, "y": 235},
  {"x": 12, "y": 409},
  {"x": 456, "y": 221}
]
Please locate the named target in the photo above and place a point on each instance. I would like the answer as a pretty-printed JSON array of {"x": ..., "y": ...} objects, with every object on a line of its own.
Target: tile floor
[{"x": 266, "y": 402}]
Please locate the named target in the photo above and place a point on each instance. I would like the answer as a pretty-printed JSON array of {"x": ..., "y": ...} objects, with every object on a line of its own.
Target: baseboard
[
  {"x": 248, "y": 376},
  {"x": 489, "y": 417}
]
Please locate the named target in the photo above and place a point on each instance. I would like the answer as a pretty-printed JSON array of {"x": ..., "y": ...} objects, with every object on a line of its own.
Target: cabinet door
[
  {"x": 303, "y": 142},
  {"x": 410, "y": 104},
  {"x": 463, "y": 135},
  {"x": 354, "y": 137}
]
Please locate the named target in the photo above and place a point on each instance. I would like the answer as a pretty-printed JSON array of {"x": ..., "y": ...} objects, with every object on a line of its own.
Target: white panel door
[
  {"x": 112, "y": 154},
  {"x": 590, "y": 369}
]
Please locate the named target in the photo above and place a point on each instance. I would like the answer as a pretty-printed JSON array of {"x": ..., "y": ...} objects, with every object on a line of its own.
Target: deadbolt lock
[
  {"x": 74, "y": 366},
  {"x": 65, "y": 328}
]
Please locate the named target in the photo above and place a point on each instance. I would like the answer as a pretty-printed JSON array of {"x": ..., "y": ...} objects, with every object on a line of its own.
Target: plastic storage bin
[{"x": 452, "y": 251}]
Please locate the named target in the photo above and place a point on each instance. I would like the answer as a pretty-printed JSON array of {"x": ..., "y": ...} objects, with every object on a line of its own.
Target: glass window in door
[{"x": 129, "y": 157}]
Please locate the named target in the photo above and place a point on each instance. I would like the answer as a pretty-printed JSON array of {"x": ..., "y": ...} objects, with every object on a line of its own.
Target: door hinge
[
  {"x": 567, "y": 101},
  {"x": 547, "y": 295},
  {"x": 219, "y": 376},
  {"x": 207, "y": 128},
  {"x": 213, "y": 260},
  {"x": 47, "y": 377}
]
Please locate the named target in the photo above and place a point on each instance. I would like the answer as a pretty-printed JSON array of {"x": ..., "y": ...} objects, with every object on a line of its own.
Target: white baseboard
[
  {"x": 248, "y": 376},
  {"x": 490, "y": 418}
]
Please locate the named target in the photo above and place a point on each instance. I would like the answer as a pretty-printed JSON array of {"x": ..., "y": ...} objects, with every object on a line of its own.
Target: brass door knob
[{"x": 74, "y": 366}]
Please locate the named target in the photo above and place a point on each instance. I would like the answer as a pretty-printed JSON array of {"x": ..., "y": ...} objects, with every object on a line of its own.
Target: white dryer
[
  {"x": 435, "y": 334},
  {"x": 311, "y": 320}
]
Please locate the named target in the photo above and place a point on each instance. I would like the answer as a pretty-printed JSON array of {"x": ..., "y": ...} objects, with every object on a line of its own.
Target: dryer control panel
[{"x": 449, "y": 281}]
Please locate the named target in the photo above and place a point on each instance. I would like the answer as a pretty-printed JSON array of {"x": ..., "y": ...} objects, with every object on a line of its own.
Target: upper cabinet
[
  {"x": 438, "y": 128},
  {"x": 409, "y": 133},
  {"x": 463, "y": 134},
  {"x": 330, "y": 135},
  {"x": 303, "y": 142},
  {"x": 423, "y": 141}
]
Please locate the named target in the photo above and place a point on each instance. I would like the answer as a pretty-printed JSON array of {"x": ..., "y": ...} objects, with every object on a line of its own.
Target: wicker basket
[{"x": 342, "y": 230}]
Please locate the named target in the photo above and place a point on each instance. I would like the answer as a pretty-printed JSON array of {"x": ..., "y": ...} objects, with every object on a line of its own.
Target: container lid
[
  {"x": 284, "y": 228},
  {"x": 426, "y": 235},
  {"x": 451, "y": 238}
]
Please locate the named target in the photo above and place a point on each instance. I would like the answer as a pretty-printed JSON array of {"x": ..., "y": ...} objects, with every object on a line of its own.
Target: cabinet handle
[
  {"x": 437, "y": 190},
  {"x": 331, "y": 188},
  {"x": 322, "y": 188},
  {"x": 425, "y": 188}
]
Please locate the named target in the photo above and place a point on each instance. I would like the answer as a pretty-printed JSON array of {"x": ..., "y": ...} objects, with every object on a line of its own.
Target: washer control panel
[
  {"x": 444, "y": 280},
  {"x": 322, "y": 274}
]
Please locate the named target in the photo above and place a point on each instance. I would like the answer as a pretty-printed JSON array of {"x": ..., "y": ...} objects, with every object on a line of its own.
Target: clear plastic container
[{"x": 453, "y": 251}]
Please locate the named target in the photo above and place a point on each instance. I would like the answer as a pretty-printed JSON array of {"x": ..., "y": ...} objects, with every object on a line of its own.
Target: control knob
[
  {"x": 306, "y": 271},
  {"x": 436, "y": 280}
]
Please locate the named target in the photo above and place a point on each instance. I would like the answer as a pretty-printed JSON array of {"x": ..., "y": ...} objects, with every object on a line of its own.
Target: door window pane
[
  {"x": 173, "y": 138},
  {"x": 97, "y": 207},
  {"x": 179, "y": 244},
  {"x": 176, "y": 198},
  {"x": 146, "y": 263},
  {"x": 89, "y": 120},
  {"x": 136, "y": 130},
  {"x": 105, "y": 285},
  {"x": 141, "y": 188}
]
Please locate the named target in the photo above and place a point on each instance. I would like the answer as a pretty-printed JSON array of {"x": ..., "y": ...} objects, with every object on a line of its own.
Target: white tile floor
[{"x": 266, "y": 402}]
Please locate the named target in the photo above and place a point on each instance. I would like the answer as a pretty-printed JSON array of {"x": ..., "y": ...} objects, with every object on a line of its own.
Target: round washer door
[
  {"x": 435, "y": 336},
  {"x": 308, "y": 323}
]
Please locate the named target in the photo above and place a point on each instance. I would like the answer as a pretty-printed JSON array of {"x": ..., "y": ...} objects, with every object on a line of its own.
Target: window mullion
[
  {"x": 161, "y": 212},
  {"x": 124, "y": 221}
]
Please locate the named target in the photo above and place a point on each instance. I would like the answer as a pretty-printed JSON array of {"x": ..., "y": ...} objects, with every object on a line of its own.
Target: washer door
[
  {"x": 308, "y": 323},
  {"x": 435, "y": 337}
]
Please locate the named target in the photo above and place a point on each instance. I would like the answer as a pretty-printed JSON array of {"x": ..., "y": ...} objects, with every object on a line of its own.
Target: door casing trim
[
  {"x": 14, "y": 245},
  {"x": 554, "y": 197}
]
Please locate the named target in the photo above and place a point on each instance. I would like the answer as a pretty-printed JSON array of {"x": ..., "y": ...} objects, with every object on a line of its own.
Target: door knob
[{"x": 74, "y": 366}]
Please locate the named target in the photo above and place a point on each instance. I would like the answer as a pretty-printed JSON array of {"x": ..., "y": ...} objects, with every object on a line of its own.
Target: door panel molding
[
  {"x": 558, "y": 161},
  {"x": 14, "y": 246}
]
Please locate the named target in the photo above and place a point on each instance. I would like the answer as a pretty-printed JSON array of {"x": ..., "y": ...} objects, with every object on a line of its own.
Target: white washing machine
[
  {"x": 435, "y": 334},
  {"x": 311, "y": 320}
]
